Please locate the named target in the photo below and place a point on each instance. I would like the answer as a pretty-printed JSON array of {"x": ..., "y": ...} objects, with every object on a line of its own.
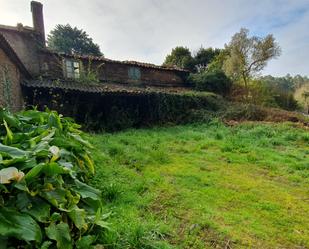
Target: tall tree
[
  {"x": 180, "y": 57},
  {"x": 67, "y": 39},
  {"x": 249, "y": 55},
  {"x": 204, "y": 56}
]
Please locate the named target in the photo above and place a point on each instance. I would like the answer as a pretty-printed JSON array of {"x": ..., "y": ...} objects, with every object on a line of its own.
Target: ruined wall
[
  {"x": 26, "y": 44},
  {"x": 10, "y": 89}
]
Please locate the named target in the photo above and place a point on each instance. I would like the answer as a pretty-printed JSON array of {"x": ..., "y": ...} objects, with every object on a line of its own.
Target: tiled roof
[
  {"x": 13, "y": 56},
  {"x": 103, "y": 59},
  {"x": 101, "y": 87},
  {"x": 18, "y": 28}
]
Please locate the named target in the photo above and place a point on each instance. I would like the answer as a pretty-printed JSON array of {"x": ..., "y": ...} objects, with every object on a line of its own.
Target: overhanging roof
[
  {"x": 103, "y": 59},
  {"x": 9, "y": 51},
  {"x": 101, "y": 88}
]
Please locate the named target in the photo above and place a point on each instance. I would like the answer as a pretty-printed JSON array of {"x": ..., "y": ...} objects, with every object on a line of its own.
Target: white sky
[{"x": 147, "y": 30}]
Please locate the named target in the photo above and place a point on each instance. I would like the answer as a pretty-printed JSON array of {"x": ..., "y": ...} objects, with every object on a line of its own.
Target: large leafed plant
[{"x": 44, "y": 201}]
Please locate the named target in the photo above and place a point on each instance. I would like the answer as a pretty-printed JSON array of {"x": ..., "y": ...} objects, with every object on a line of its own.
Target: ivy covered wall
[
  {"x": 115, "y": 111},
  {"x": 10, "y": 89}
]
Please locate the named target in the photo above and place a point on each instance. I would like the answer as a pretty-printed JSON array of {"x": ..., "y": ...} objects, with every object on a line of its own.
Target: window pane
[
  {"x": 68, "y": 63},
  {"x": 134, "y": 73},
  {"x": 72, "y": 68}
]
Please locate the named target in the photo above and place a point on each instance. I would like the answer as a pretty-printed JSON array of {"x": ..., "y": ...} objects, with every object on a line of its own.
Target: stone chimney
[{"x": 38, "y": 21}]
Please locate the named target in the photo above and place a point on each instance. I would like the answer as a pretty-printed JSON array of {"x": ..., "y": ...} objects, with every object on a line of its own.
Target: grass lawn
[{"x": 205, "y": 186}]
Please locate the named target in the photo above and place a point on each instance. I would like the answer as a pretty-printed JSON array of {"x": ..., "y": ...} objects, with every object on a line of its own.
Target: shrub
[
  {"x": 260, "y": 93},
  {"x": 44, "y": 201},
  {"x": 213, "y": 81}
]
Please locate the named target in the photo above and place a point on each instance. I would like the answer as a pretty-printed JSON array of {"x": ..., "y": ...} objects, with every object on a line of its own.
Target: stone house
[
  {"x": 34, "y": 67},
  {"x": 12, "y": 72}
]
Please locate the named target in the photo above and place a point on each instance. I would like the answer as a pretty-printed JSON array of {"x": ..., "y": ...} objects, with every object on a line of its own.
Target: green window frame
[
  {"x": 134, "y": 73},
  {"x": 72, "y": 68}
]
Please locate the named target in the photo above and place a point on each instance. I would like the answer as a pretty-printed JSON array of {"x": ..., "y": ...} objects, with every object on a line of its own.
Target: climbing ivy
[{"x": 7, "y": 87}]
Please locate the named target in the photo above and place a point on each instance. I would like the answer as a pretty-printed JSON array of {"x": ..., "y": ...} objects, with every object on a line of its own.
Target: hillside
[{"x": 205, "y": 186}]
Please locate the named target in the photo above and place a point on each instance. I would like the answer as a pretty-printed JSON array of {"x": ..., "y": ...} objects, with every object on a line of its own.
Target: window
[
  {"x": 134, "y": 73},
  {"x": 72, "y": 69}
]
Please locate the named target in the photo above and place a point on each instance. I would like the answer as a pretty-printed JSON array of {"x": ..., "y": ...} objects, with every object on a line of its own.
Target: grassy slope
[{"x": 191, "y": 186}]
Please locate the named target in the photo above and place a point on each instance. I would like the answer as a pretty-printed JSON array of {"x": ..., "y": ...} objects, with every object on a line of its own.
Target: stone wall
[
  {"x": 120, "y": 73},
  {"x": 10, "y": 89},
  {"x": 26, "y": 44},
  {"x": 114, "y": 72}
]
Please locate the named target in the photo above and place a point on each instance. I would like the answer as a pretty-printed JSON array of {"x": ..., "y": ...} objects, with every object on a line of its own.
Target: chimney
[{"x": 38, "y": 21}]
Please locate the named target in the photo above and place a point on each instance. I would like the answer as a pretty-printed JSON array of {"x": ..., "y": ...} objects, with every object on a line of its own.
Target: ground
[{"x": 205, "y": 186}]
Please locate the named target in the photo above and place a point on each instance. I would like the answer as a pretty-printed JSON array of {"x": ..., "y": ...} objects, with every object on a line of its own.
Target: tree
[
  {"x": 70, "y": 40},
  {"x": 249, "y": 55},
  {"x": 180, "y": 57},
  {"x": 204, "y": 56},
  {"x": 217, "y": 62}
]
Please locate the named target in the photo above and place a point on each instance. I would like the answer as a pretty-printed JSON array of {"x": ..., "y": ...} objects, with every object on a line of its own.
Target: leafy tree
[
  {"x": 67, "y": 39},
  {"x": 180, "y": 57},
  {"x": 249, "y": 55},
  {"x": 204, "y": 56},
  {"x": 218, "y": 61},
  {"x": 283, "y": 83}
]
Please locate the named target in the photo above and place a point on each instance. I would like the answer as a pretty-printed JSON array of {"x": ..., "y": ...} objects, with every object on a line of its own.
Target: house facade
[
  {"x": 25, "y": 60},
  {"x": 12, "y": 72}
]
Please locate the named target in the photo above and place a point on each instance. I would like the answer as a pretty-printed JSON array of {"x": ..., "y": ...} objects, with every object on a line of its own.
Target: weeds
[{"x": 210, "y": 185}]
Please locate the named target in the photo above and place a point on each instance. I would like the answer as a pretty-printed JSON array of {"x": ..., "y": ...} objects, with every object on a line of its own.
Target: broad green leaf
[
  {"x": 45, "y": 135},
  {"x": 61, "y": 234},
  {"x": 78, "y": 216},
  {"x": 50, "y": 169},
  {"x": 13, "y": 152},
  {"x": 33, "y": 116},
  {"x": 36, "y": 170},
  {"x": 9, "y": 118},
  {"x": 86, "y": 191},
  {"x": 53, "y": 169},
  {"x": 85, "y": 242},
  {"x": 13, "y": 161},
  {"x": 55, "y": 196},
  {"x": 34, "y": 206},
  {"x": 19, "y": 225},
  {"x": 46, "y": 245},
  {"x": 79, "y": 139},
  {"x": 54, "y": 121}
]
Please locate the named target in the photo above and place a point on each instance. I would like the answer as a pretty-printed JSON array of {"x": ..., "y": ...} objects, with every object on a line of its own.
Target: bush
[
  {"x": 263, "y": 94},
  {"x": 213, "y": 81},
  {"x": 44, "y": 201}
]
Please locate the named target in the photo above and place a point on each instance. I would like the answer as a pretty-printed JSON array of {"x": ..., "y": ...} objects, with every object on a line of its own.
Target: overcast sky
[{"x": 147, "y": 30}]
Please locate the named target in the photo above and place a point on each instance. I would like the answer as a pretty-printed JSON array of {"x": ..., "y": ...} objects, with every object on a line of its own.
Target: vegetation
[
  {"x": 180, "y": 57},
  {"x": 204, "y": 56},
  {"x": 234, "y": 72},
  {"x": 302, "y": 96},
  {"x": 211, "y": 81},
  {"x": 249, "y": 55},
  {"x": 66, "y": 39},
  {"x": 44, "y": 201},
  {"x": 205, "y": 186},
  {"x": 288, "y": 90}
]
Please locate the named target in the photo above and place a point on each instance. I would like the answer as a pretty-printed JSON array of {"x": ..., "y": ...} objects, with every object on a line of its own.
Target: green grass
[{"x": 205, "y": 186}]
